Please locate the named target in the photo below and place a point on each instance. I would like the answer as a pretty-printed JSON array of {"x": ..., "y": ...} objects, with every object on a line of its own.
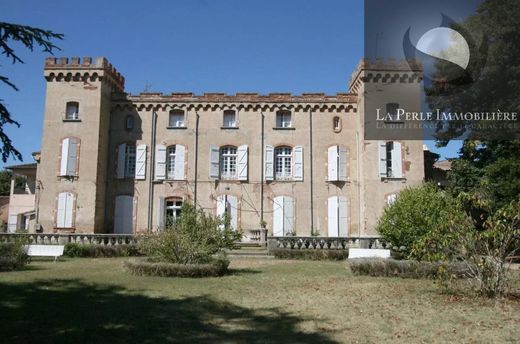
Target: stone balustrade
[
  {"x": 324, "y": 243},
  {"x": 78, "y": 238}
]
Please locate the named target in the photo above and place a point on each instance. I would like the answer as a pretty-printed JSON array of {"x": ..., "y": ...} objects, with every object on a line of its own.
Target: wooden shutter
[
  {"x": 268, "y": 162},
  {"x": 332, "y": 205},
  {"x": 160, "y": 162},
  {"x": 214, "y": 162},
  {"x": 342, "y": 216},
  {"x": 140, "y": 162},
  {"x": 278, "y": 203},
  {"x": 221, "y": 205},
  {"x": 72, "y": 158},
  {"x": 242, "y": 162},
  {"x": 382, "y": 159},
  {"x": 160, "y": 214},
  {"x": 69, "y": 210},
  {"x": 124, "y": 215},
  {"x": 288, "y": 215},
  {"x": 343, "y": 164},
  {"x": 121, "y": 159},
  {"x": 64, "y": 216},
  {"x": 64, "y": 156},
  {"x": 397, "y": 164},
  {"x": 332, "y": 165},
  {"x": 298, "y": 163},
  {"x": 232, "y": 203},
  {"x": 180, "y": 157}
]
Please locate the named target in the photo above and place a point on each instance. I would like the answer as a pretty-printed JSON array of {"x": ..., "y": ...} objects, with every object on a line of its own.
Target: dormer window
[
  {"x": 72, "y": 111},
  {"x": 177, "y": 119},
  {"x": 229, "y": 119},
  {"x": 283, "y": 119}
]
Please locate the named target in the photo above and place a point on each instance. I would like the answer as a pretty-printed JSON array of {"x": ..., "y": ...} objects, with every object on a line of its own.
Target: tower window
[
  {"x": 336, "y": 124},
  {"x": 129, "y": 122},
  {"x": 283, "y": 119},
  {"x": 72, "y": 111},
  {"x": 176, "y": 119},
  {"x": 230, "y": 119}
]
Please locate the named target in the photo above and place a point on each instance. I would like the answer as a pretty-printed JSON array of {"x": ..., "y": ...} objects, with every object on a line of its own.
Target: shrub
[
  {"x": 193, "y": 238},
  {"x": 98, "y": 251},
  {"x": 13, "y": 255},
  {"x": 284, "y": 253},
  {"x": 417, "y": 212},
  {"x": 149, "y": 267},
  {"x": 379, "y": 267}
]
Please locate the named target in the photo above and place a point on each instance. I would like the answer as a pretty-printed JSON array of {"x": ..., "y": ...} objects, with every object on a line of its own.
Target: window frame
[
  {"x": 286, "y": 160},
  {"x": 129, "y": 119},
  {"x": 175, "y": 207},
  {"x": 281, "y": 123},
  {"x": 171, "y": 155},
  {"x": 177, "y": 112},
  {"x": 75, "y": 116},
  {"x": 228, "y": 162},
  {"x": 130, "y": 160},
  {"x": 235, "y": 120}
]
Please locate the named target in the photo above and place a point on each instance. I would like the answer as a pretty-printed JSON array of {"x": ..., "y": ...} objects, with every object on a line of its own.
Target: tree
[
  {"x": 29, "y": 37},
  {"x": 5, "y": 182}
]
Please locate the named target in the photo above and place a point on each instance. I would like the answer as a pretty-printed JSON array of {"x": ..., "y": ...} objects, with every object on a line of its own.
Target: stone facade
[{"x": 105, "y": 118}]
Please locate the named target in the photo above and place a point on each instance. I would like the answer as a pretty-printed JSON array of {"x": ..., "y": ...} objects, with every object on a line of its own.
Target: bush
[
  {"x": 13, "y": 256},
  {"x": 149, "y": 267},
  {"x": 284, "y": 253},
  {"x": 99, "y": 251},
  {"x": 379, "y": 267},
  {"x": 417, "y": 212},
  {"x": 193, "y": 238}
]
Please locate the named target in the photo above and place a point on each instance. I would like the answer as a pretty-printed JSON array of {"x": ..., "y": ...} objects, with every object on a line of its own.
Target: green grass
[{"x": 262, "y": 301}]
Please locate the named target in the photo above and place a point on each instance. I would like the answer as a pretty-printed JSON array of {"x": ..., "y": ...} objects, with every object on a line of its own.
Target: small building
[{"x": 22, "y": 212}]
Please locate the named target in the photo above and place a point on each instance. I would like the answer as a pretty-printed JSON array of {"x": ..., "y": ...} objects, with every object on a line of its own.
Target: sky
[{"x": 189, "y": 46}]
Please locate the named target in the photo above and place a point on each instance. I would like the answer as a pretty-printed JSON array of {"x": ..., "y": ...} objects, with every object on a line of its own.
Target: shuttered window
[
  {"x": 228, "y": 161},
  {"x": 65, "y": 211},
  {"x": 69, "y": 157},
  {"x": 131, "y": 161},
  {"x": 227, "y": 205},
  {"x": 390, "y": 159},
  {"x": 140, "y": 163},
  {"x": 283, "y": 216},
  {"x": 170, "y": 162},
  {"x": 124, "y": 214},
  {"x": 337, "y": 163},
  {"x": 287, "y": 161},
  {"x": 337, "y": 216}
]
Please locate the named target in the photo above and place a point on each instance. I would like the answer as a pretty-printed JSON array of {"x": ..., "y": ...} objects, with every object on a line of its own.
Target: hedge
[
  {"x": 148, "y": 267},
  {"x": 379, "y": 267},
  {"x": 307, "y": 254},
  {"x": 99, "y": 251},
  {"x": 13, "y": 256}
]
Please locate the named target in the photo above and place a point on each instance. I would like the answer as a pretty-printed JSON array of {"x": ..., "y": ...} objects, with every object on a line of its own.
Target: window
[
  {"x": 170, "y": 162},
  {"x": 72, "y": 111},
  {"x": 283, "y": 216},
  {"x": 124, "y": 214},
  {"x": 283, "y": 119},
  {"x": 337, "y": 164},
  {"x": 390, "y": 199},
  {"x": 336, "y": 124},
  {"x": 227, "y": 205},
  {"x": 391, "y": 110},
  {"x": 65, "y": 211},
  {"x": 69, "y": 157},
  {"x": 283, "y": 163},
  {"x": 176, "y": 119},
  {"x": 130, "y": 161},
  {"x": 390, "y": 163},
  {"x": 230, "y": 119},
  {"x": 129, "y": 122},
  {"x": 127, "y": 161},
  {"x": 172, "y": 210},
  {"x": 337, "y": 216},
  {"x": 228, "y": 167}
]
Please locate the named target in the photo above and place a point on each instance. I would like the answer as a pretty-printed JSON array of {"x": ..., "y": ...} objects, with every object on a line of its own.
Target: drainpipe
[
  {"x": 152, "y": 170},
  {"x": 262, "y": 170},
  {"x": 359, "y": 183},
  {"x": 312, "y": 174},
  {"x": 196, "y": 158}
]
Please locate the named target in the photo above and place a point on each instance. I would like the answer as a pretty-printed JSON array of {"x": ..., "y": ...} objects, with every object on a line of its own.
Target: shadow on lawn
[{"x": 61, "y": 311}]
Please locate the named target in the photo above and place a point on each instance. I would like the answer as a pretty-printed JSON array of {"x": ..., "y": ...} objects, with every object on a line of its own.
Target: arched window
[
  {"x": 72, "y": 111},
  {"x": 336, "y": 124},
  {"x": 228, "y": 162},
  {"x": 283, "y": 162}
]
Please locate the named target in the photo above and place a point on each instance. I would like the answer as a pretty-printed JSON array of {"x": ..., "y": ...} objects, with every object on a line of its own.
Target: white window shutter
[
  {"x": 391, "y": 199},
  {"x": 180, "y": 157},
  {"x": 69, "y": 209},
  {"x": 343, "y": 164},
  {"x": 242, "y": 162},
  {"x": 160, "y": 162},
  {"x": 298, "y": 163},
  {"x": 62, "y": 204},
  {"x": 124, "y": 215},
  {"x": 64, "y": 156},
  {"x": 121, "y": 159},
  {"x": 382, "y": 158},
  {"x": 221, "y": 205},
  {"x": 278, "y": 203},
  {"x": 160, "y": 213},
  {"x": 140, "y": 162},
  {"x": 288, "y": 215},
  {"x": 342, "y": 217},
  {"x": 397, "y": 164},
  {"x": 332, "y": 165},
  {"x": 268, "y": 162},
  {"x": 214, "y": 162},
  {"x": 232, "y": 203},
  {"x": 72, "y": 157},
  {"x": 333, "y": 215}
]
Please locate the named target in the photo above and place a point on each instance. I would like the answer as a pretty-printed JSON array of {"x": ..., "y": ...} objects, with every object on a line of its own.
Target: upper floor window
[
  {"x": 390, "y": 159},
  {"x": 391, "y": 110},
  {"x": 169, "y": 162},
  {"x": 228, "y": 162},
  {"x": 283, "y": 119},
  {"x": 283, "y": 163},
  {"x": 177, "y": 119},
  {"x": 336, "y": 124},
  {"x": 72, "y": 111},
  {"x": 230, "y": 119},
  {"x": 129, "y": 122},
  {"x": 131, "y": 161},
  {"x": 337, "y": 164},
  {"x": 69, "y": 157}
]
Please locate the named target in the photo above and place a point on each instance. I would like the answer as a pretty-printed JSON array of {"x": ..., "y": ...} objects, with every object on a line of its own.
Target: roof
[
  {"x": 443, "y": 165},
  {"x": 21, "y": 166}
]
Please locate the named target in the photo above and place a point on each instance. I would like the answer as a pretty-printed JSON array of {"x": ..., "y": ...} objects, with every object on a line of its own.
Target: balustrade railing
[
  {"x": 78, "y": 238},
  {"x": 324, "y": 243}
]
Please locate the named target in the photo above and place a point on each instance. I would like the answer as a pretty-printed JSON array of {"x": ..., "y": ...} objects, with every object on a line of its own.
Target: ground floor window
[{"x": 172, "y": 210}]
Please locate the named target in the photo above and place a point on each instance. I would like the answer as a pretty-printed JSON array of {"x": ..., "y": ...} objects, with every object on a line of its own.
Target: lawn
[{"x": 262, "y": 301}]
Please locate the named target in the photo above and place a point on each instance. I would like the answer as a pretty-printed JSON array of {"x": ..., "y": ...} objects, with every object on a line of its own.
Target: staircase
[{"x": 249, "y": 250}]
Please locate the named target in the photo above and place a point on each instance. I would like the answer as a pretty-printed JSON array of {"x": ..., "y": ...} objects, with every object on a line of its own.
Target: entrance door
[{"x": 124, "y": 217}]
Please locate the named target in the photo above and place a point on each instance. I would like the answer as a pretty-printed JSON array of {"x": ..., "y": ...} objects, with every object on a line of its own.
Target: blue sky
[{"x": 190, "y": 45}]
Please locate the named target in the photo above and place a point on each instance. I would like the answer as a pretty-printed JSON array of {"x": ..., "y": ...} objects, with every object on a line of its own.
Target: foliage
[
  {"x": 99, "y": 251},
  {"x": 13, "y": 256},
  {"x": 309, "y": 254},
  {"x": 5, "y": 182},
  {"x": 30, "y": 38},
  {"x": 191, "y": 239},
  {"x": 417, "y": 212},
  {"x": 379, "y": 267},
  {"x": 145, "y": 267}
]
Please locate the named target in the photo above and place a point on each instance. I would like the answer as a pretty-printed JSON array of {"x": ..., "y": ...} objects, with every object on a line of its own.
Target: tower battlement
[{"x": 86, "y": 69}]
